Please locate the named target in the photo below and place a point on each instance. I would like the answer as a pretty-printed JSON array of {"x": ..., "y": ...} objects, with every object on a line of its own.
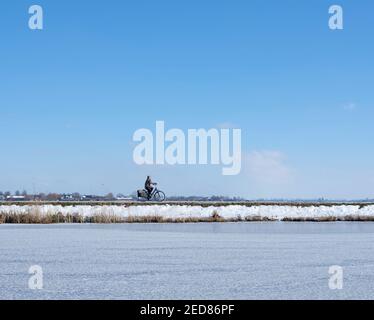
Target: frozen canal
[{"x": 274, "y": 260}]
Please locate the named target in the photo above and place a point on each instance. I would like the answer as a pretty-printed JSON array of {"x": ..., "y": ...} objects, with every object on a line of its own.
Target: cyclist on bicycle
[{"x": 149, "y": 186}]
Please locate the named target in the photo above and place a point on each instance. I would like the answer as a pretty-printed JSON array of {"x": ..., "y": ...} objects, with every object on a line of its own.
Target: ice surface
[{"x": 272, "y": 260}]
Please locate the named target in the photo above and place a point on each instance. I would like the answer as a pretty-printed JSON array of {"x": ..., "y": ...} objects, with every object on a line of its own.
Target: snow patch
[{"x": 277, "y": 212}]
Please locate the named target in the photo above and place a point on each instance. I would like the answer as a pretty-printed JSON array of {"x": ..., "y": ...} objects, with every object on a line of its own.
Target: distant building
[
  {"x": 67, "y": 197},
  {"x": 89, "y": 197},
  {"x": 124, "y": 198},
  {"x": 16, "y": 198}
]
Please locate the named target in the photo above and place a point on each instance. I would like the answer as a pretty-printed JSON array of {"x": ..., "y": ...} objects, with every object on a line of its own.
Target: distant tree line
[{"x": 75, "y": 196}]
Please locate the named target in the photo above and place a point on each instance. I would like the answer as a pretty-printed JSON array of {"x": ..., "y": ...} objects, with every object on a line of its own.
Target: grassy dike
[
  {"x": 34, "y": 215},
  {"x": 28, "y": 218}
]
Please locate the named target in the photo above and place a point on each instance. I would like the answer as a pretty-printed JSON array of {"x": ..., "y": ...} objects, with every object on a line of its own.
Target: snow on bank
[{"x": 276, "y": 212}]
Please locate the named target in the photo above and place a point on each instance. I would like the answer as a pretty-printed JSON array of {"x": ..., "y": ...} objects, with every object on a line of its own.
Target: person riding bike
[{"x": 149, "y": 186}]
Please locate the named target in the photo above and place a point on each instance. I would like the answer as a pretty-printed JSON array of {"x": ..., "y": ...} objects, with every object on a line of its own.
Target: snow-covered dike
[{"x": 274, "y": 212}]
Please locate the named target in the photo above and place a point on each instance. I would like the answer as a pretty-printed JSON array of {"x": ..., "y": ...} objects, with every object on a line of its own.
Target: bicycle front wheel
[{"x": 159, "y": 196}]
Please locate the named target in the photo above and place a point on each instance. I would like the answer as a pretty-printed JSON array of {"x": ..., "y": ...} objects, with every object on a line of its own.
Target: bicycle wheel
[{"x": 159, "y": 196}]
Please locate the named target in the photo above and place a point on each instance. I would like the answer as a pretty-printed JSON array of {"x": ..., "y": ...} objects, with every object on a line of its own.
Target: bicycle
[{"x": 156, "y": 195}]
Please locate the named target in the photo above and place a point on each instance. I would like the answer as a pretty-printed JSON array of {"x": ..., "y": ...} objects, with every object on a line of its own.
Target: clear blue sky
[{"x": 72, "y": 95}]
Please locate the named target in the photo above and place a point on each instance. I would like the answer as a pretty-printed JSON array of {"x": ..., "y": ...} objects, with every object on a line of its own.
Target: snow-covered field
[{"x": 274, "y": 212}]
